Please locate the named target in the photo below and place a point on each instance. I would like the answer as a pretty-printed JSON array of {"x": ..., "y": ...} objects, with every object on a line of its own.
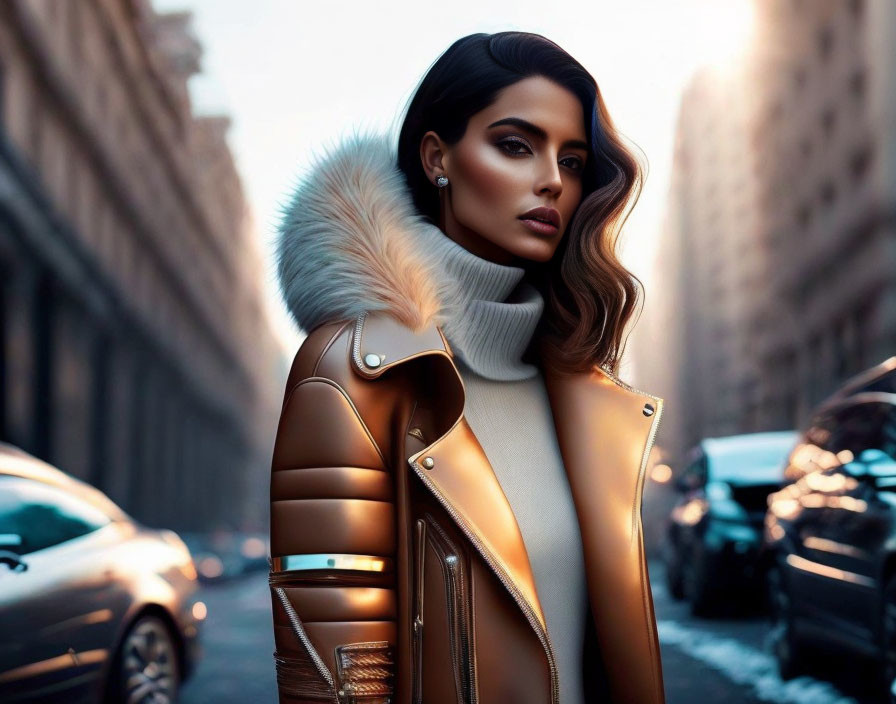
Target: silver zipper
[
  {"x": 464, "y": 664},
  {"x": 356, "y": 341},
  {"x": 459, "y": 652},
  {"x": 303, "y": 637},
  {"x": 418, "y": 616},
  {"x": 505, "y": 580}
]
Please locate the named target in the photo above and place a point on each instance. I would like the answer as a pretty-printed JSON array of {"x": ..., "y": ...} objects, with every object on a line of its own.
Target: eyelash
[{"x": 503, "y": 143}]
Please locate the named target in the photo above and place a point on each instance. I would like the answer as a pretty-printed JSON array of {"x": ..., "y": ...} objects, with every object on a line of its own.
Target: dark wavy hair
[{"x": 589, "y": 296}]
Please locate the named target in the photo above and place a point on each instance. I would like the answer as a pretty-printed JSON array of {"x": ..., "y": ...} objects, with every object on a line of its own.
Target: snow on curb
[{"x": 747, "y": 666}]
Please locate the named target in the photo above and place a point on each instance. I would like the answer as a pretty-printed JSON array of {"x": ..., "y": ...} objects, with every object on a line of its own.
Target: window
[
  {"x": 857, "y": 83},
  {"x": 828, "y": 193},
  {"x": 825, "y": 39},
  {"x": 805, "y": 147},
  {"x": 859, "y": 162},
  {"x": 828, "y": 120},
  {"x": 42, "y": 515}
]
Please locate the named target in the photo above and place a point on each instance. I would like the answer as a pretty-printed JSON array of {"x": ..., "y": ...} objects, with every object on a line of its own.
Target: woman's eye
[
  {"x": 514, "y": 146},
  {"x": 518, "y": 147}
]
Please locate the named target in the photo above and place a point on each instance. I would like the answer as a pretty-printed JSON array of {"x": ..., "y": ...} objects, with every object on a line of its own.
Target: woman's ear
[{"x": 432, "y": 156}]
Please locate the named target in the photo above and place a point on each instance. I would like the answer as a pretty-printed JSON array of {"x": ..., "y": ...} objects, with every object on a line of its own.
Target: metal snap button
[
  {"x": 428, "y": 462},
  {"x": 372, "y": 360},
  {"x": 648, "y": 409}
]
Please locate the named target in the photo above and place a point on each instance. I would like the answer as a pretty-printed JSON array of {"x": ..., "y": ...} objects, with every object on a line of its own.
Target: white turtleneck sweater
[{"x": 489, "y": 328}]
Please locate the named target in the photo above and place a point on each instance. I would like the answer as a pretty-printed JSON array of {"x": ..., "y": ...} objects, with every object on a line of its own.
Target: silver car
[{"x": 94, "y": 607}]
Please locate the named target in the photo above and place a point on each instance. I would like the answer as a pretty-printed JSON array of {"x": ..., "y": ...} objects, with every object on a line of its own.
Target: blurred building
[
  {"x": 701, "y": 302},
  {"x": 135, "y": 350},
  {"x": 776, "y": 274}
]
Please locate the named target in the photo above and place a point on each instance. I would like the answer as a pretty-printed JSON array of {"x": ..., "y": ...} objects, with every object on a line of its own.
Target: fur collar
[{"x": 350, "y": 240}]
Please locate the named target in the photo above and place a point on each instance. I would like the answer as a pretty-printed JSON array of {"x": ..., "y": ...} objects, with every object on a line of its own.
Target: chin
[{"x": 536, "y": 251}]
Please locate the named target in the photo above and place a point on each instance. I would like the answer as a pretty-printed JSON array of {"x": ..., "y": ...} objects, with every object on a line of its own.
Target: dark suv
[{"x": 714, "y": 535}]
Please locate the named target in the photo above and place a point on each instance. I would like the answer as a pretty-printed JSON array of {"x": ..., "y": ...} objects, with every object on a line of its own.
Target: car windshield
[{"x": 749, "y": 460}]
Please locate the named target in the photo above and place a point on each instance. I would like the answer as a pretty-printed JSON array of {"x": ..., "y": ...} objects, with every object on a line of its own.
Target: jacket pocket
[
  {"x": 459, "y": 609},
  {"x": 365, "y": 672},
  {"x": 419, "y": 562}
]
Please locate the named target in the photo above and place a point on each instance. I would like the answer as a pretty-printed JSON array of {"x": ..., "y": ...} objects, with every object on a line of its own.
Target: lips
[{"x": 542, "y": 214}]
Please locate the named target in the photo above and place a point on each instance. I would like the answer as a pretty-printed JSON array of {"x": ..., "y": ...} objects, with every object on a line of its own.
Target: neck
[{"x": 490, "y": 311}]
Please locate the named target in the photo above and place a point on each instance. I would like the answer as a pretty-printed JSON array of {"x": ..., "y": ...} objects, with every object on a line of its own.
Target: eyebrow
[{"x": 538, "y": 131}]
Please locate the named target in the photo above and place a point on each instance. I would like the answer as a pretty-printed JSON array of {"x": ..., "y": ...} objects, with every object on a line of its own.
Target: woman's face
[{"x": 526, "y": 150}]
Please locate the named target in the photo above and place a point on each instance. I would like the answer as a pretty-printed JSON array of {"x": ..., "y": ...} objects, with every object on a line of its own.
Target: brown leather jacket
[{"x": 398, "y": 571}]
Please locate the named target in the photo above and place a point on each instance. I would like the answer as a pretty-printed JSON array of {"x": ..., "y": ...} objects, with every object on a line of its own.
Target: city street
[
  {"x": 711, "y": 660},
  {"x": 237, "y": 666},
  {"x": 729, "y": 659},
  {"x": 253, "y": 261}
]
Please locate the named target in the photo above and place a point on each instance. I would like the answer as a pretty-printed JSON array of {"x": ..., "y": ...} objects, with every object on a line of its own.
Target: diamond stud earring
[{"x": 442, "y": 181}]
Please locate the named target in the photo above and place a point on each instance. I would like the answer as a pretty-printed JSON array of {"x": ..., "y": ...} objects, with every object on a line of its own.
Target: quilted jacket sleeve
[{"x": 332, "y": 552}]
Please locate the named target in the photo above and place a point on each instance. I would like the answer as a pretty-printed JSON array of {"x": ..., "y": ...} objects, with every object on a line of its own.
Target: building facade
[
  {"x": 777, "y": 263},
  {"x": 136, "y": 351}
]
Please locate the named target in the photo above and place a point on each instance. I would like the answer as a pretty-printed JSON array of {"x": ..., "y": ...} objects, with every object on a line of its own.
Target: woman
[{"x": 456, "y": 482}]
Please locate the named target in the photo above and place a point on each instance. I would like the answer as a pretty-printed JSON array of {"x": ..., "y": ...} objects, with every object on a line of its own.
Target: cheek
[
  {"x": 486, "y": 183},
  {"x": 570, "y": 199}
]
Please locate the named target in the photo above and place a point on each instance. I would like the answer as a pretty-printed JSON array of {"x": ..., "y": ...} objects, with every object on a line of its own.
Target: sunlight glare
[{"x": 724, "y": 30}]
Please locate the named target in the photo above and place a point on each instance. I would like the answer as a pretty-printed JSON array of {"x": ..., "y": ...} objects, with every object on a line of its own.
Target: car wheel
[
  {"x": 889, "y": 639},
  {"x": 788, "y": 650},
  {"x": 146, "y": 669},
  {"x": 695, "y": 585},
  {"x": 674, "y": 580}
]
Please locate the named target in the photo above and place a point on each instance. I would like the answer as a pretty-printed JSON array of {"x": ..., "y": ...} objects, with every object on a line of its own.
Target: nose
[{"x": 549, "y": 180}]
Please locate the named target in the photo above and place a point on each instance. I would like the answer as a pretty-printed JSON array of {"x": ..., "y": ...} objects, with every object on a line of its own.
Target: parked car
[
  {"x": 713, "y": 539},
  {"x": 832, "y": 532},
  {"x": 94, "y": 607}
]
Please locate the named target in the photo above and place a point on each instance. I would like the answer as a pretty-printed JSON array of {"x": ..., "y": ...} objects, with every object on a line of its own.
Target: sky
[{"x": 296, "y": 76}]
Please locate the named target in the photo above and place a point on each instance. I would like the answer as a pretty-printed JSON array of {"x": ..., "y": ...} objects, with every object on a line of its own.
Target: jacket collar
[{"x": 351, "y": 241}]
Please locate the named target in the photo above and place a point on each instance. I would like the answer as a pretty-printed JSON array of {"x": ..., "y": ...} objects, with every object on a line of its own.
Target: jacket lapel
[
  {"x": 461, "y": 476},
  {"x": 605, "y": 430}
]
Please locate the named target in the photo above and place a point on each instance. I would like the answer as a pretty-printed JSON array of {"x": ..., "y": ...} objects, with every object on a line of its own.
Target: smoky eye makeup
[
  {"x": 513, "y": 145},
  {"x": 580, "y": 163}
]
